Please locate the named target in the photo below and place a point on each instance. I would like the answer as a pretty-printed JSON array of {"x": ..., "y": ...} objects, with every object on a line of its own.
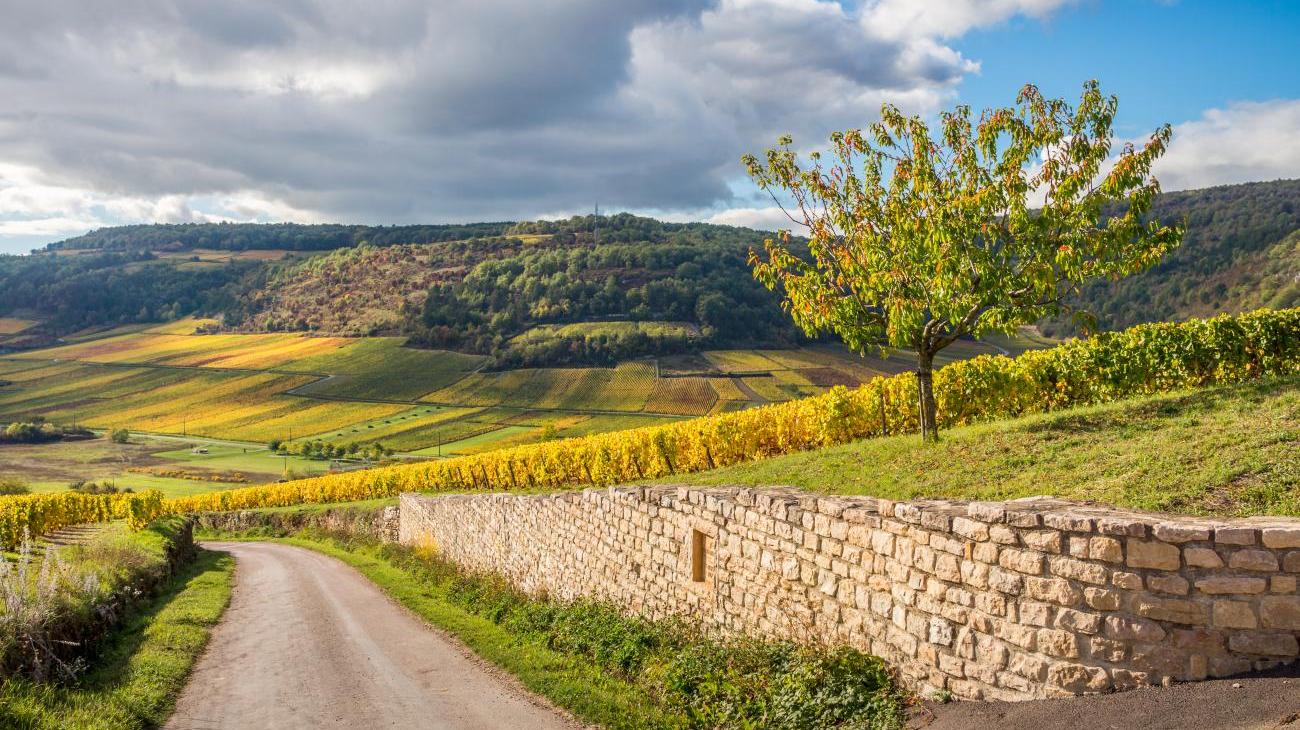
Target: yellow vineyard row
[
  {"x": 1143, "y": 360},
  {"x": 38, "y": 514}
]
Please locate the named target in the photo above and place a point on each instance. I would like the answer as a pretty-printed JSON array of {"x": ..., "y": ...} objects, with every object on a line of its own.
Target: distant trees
[
  {"x": 39, "y": 432},
  {"x": 317, "y": 449},
  {"x": 920, "y": 237}
]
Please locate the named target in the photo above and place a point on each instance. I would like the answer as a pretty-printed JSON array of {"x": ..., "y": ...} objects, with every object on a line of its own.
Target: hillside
[
  {"x": 582, "y": 291},
  {"x": 1240, "y": 251}
]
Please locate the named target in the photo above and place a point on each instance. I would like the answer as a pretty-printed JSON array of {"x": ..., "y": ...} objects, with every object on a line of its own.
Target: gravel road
[{"x": 310, "y": 643}]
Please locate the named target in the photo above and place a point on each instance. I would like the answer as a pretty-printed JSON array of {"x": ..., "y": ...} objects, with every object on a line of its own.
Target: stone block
[
  {"x": 1166, "y": 583},
  {"x": 1107, "y": 650},
  {"x": 1224, "y": 584},
  {"x": 1033, "y": 613},
  {"x": 1202, "y": 557},
  {"x": 1048, "y": 541},
  {"x": 987, "y": 511},
  {"x": 1180, "y": 532},
  {"x": 1282, "y": 584},
  {"x": 1003, "y": 535},
  {"x": 1078, "y": 621},
  {"x": 1106, "y": 548},
  {"x": 1280, "y": 537},
  {"x": 1267, "y": 644},
  {"x": 1061, "y": 644},
  {"x": 1227, "y": 535},
  {"x": 1173, "y": 610},
  {"x": 1280, "y": 612},
  {"x": 1121, "y": 526},
  {"x": 1078, "y": 570},
  {"x": 1129, "y": 628},
  {"x": 1053, "y": 590},
  {"x": 940, "y": 632},
  {"x": 1260, "y": 560},
  {"x": 1021, "y": 561},
  {"x": 1101, "y": 599},
  {"x": 1234, "y": 615},
  {"x": 1068, "y": 521},
  {"x": 1152, "y": 554},
  {"x": 1291, "y": 563},
  {"x": 1028, "y": 666},
  {"x": 1077, "y": 678}
]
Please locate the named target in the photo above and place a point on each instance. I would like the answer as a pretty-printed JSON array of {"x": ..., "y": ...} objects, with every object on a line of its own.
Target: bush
[
  {"x": 13, "y": 485},
  {"x": 120, "y": 436}
]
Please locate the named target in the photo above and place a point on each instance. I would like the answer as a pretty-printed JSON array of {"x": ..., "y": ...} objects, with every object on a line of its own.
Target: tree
[
  {"x": 119, "y": 436},
  {"x": 916, "y": 240}
]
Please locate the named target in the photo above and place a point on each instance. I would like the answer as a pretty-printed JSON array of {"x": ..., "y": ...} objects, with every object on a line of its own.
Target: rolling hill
[{"x": 583, "y": 291}]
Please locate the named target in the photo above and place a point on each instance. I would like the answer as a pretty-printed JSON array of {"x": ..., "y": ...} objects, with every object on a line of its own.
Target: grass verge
[
  {"x": 624, "y": 672},
  {"x": 135, "y": 681},
  {"x": 1231, "y": 451}
]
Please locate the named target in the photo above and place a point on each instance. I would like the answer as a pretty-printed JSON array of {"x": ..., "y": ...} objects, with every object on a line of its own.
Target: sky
[{"x": 405, "y": 111}]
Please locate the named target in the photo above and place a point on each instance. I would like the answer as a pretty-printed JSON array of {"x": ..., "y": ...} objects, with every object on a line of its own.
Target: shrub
[
  {"x": 120, "y": 436},
  {"x": 13, "y": 485}
]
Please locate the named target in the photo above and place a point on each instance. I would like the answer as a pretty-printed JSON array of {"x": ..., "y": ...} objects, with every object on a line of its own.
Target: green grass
[
  {"x": 380, "y": 367},
  {"x": 1232, "y": 450},
  {"x": 135, "y": 682}
]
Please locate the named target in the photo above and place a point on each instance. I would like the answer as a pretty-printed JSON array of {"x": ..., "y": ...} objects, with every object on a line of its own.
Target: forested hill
[
  {"x": 1240, "y": 251},
  {"x": 583, "y": 290},
  {"x": 272, "y": 236}
]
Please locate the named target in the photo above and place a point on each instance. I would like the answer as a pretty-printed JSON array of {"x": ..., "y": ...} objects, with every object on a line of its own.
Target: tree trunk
[{"x": 925, "y": 382}]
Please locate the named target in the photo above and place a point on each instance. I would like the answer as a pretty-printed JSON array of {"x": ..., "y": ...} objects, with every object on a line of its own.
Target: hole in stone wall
[{"x": 697, "y": 556}]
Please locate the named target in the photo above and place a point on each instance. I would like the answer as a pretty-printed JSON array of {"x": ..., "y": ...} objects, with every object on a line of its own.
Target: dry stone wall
[{"x": 988, "y": 600}]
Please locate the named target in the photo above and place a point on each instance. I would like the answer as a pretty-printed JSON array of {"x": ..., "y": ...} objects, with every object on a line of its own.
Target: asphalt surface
[
  {"x": 308, "y": 642},
  {"x": 1263, "y": 701}
]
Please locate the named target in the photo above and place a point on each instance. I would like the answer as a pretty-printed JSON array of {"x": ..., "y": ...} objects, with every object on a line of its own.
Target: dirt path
[
  {"x": 1266, "y": 701},
  {"x": 310, "y": 643}
]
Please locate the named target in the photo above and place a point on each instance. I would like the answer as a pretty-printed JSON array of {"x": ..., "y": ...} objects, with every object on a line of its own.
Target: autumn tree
[{"x": 918, "y": 237}]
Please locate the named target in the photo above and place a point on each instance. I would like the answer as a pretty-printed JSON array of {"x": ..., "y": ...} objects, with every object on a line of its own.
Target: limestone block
[
  {"x": 1152, "y": 554},
  {"x": 1261, "y": 560}
]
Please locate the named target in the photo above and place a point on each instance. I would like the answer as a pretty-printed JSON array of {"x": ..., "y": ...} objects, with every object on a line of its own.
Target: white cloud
[
  {"x": 764, "y": 219},
  {"x": 403, "y": 110},
  {"x": 1243, "y": 142},
  {"x": 950, "y": 18}
]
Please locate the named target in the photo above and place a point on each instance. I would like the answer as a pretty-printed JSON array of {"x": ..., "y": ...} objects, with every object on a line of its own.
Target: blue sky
[
  {"x": 1167, "y": 61},
  {"x": 331, "y": 110}
]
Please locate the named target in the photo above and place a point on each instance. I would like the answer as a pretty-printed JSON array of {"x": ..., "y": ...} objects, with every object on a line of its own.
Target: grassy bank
[
  {"x": 136, "y": 679},
  {"x": 621, "y": 672},
  {"x": 1231, "y": 450}
]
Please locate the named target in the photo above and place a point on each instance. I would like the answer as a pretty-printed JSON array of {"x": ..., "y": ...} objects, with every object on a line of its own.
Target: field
[
  {"x": 12, "y": 326},
  {"x": 236, "y": 392},
  {"x": 166, "y": 464}
]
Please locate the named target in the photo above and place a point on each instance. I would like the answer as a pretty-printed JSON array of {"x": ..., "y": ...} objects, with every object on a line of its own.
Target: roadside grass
[
  {"x": 135, "y": 681},
  {"x": 1230, "y": 451},
  {"x": 624, "y": 672}
]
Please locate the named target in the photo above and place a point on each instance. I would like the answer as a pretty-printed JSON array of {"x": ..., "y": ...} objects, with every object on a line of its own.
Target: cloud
[
  {"x": 401, "y": 110},
  {"x": 764, "y": 219},
  {"x": 1243, "y": 142}
]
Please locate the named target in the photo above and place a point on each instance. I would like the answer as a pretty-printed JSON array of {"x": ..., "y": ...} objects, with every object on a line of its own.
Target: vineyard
[{"x": 1143, "y": 360}]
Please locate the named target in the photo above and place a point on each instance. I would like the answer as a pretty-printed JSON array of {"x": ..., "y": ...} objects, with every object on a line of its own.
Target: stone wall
[{"x": 988, "y": 600}]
